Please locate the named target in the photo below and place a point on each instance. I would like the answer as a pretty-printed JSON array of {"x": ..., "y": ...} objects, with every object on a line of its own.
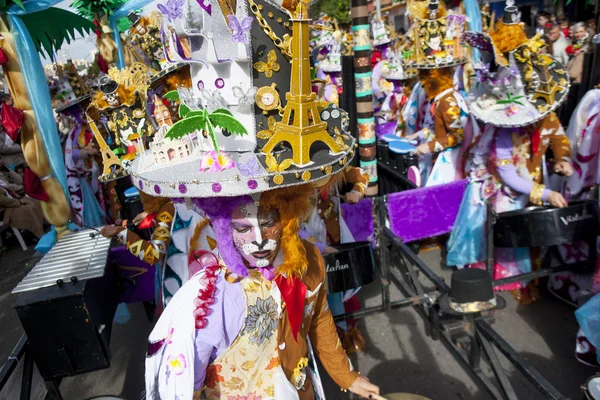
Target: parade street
[{"x": 399, "y": 356}]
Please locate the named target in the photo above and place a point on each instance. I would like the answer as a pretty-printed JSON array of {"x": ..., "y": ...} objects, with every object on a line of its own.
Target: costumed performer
[
  {"x": 145, "y": 34},
  {"x": 507, "y": 165},
  {"x": 120, "y": 105},
  {"x": 442, "y": 125},
  {"x": 575, "y": 287},
  {"x": 240, "y": 327},
  {"x": 330, "y": 66},
  {"x": 85, "y": 190},
  {"x": 391, "y": 88},
  {"x": 581, "y": 289}
]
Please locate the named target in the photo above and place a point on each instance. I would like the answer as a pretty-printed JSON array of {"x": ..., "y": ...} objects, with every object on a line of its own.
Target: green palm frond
[
  {"x": 204, "y": 121},
  {"x": 185, "y": 127},
  {"x": 90, "y": 9},
  {"x": 172, "y": 95},
  {"x": 51, "y": 28},
  {"x": 224, "y": 120}
]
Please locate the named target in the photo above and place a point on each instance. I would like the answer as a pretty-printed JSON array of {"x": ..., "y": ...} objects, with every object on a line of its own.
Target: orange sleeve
[
  {"x": 559, "y": 142},
  {"x": 447, "y": 127},
  {"x": 326, "y": 342},
  {"x": 358, "y": 177},
  {"x": 154, "y": 250}
]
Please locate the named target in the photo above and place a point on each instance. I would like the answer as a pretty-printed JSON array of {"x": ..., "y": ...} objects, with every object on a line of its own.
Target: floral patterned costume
[
  {"x": 507, "y": 172},
  {"x": 221, "y": 332}
]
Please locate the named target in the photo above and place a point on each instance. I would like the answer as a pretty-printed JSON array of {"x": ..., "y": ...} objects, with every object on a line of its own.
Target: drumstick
[{"x": 376, "y": 397}]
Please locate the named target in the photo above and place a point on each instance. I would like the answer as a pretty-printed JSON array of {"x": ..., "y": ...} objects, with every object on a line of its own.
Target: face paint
[{"x": 256, "y": 234}]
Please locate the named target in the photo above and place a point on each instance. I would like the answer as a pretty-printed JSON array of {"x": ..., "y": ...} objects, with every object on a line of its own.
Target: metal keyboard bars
[{"x": 81, "y": 254}]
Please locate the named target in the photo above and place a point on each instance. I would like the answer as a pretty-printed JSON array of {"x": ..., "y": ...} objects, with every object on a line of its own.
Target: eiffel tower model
[
  {"x": 546, "y": 90},
  {"x": 301, "y": 124},
  {"x": 112, "y": 167}
]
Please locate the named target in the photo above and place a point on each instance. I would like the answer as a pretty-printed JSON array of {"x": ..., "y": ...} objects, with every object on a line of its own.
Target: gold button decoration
[
  {"x": 306, "y": 175},
  {"x": 270, "y": 14},
  {"x": 278, "y": 179},
  {"x": 328, "y": 169},
  {"x": 280, "y": 20}
]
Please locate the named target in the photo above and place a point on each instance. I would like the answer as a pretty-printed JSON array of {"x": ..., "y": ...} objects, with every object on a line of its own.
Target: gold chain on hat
[{"x": 283, "y": 45}]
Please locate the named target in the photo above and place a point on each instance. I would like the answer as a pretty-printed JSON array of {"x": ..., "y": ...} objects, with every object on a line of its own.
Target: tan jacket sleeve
[
  {"x": 12, "y": 181},
  {"x": 559, "y": 142},
  {"x": 358, "y": 177},
  {"x": 154, "y": 250},
  {"x": 327, "y": 344},
  {"x": 7, "y": 202},
  {"x": 447, "y": 128}
]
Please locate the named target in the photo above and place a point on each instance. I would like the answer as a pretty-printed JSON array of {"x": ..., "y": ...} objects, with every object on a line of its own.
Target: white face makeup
[{"x": 256, "y": 234}]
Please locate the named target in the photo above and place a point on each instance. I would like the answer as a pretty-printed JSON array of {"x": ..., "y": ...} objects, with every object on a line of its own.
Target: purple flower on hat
[
  {"x": 511, "y": 110},
  {"x": 215, "y": 162}
]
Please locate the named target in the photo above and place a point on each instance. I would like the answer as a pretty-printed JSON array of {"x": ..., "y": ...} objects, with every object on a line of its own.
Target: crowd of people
[
  {"x": 18, "y": 209},
  {"x": 567, "y": 41}
]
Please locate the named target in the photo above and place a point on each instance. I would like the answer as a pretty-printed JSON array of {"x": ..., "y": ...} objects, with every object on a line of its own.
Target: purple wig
[{"x": 219, "y": 210}]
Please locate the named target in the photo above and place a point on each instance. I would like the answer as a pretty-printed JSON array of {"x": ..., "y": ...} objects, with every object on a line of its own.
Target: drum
[
  {"x": 350, "y": 267},
  {"x": 591, "y": 388},
  {"x": 546, "y": 226}
]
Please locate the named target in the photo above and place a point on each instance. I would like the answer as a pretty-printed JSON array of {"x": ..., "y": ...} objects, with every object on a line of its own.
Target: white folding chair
[{"x": 16, "y": 232}]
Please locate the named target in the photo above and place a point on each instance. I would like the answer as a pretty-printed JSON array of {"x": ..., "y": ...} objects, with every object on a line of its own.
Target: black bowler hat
[
  {"x": 134, "y": 17},
  {"x": 471, "y": 291},
  {"x": 107, "y": 85},
  {"x": 512, "y": 15}
]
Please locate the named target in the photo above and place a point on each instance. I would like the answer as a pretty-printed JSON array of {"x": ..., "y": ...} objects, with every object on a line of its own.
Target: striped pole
[{"x": 364, "y": 92}]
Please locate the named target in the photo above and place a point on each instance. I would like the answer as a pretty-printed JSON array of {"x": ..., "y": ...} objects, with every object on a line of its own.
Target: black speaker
[{"x": 69, "y": 325}]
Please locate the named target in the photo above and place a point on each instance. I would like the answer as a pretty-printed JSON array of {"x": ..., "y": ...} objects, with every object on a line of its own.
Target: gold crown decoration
[
  {"x": 132, "y": 80},
  {"x": 301, "y": 124},
  {"x": 436, "y": 36}
]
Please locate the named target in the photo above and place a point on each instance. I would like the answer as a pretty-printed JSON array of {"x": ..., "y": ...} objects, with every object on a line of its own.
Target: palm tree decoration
[
  {"x": 51, "y": 28},
  {"x": 205, "y": 121}
]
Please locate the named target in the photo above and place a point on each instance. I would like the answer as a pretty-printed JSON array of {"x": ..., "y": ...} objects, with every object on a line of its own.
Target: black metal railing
[
  {"x": 392, "y": 169},
  {"x": 470, "y": 339}
]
